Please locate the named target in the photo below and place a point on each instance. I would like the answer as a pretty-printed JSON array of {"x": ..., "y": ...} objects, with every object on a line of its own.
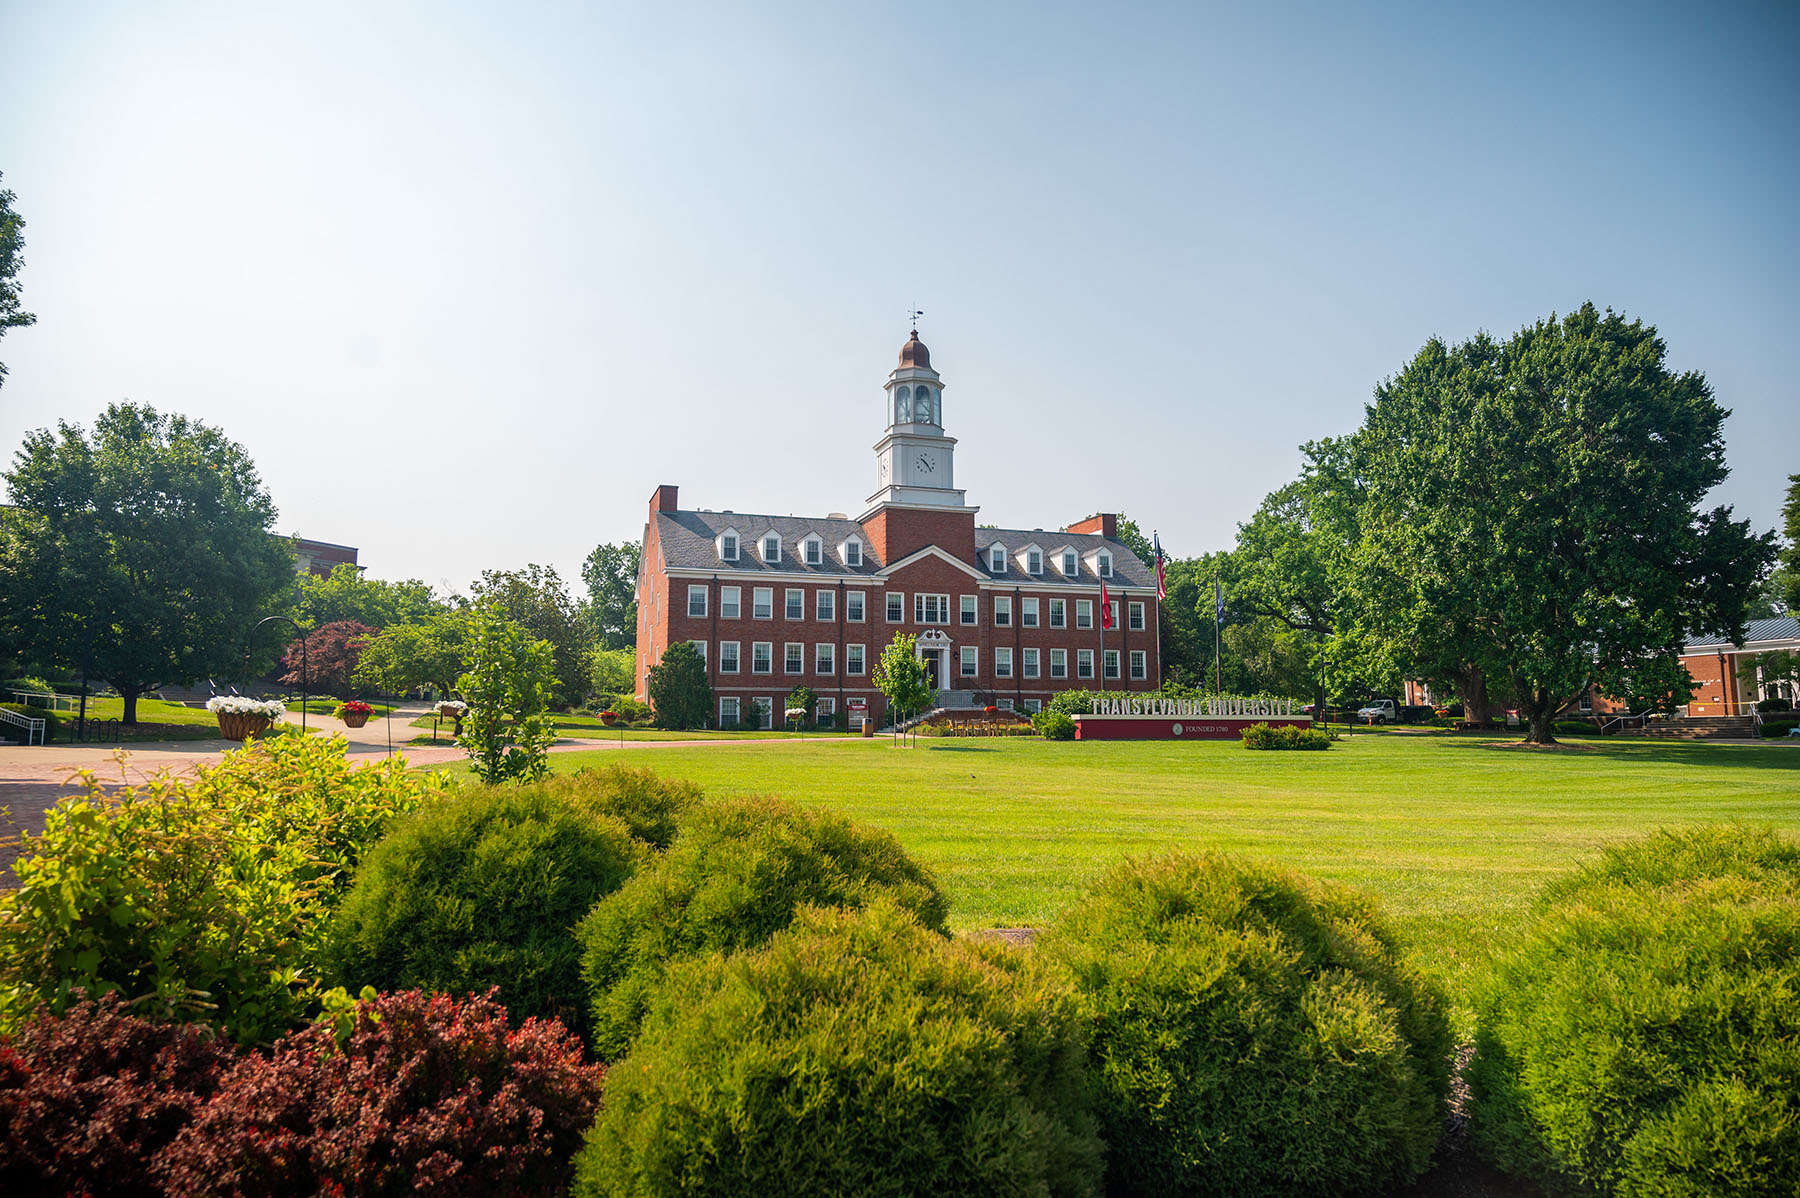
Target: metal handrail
[
  {"x": 1642, "y": 718},
  {"x": 34, "y": 727}
]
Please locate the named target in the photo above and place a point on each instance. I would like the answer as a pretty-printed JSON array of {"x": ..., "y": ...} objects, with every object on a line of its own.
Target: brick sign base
[{"x": 1161, "y": 727}]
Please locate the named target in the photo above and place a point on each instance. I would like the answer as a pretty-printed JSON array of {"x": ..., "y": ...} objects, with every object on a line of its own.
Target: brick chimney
[
  {"x": 1106, "y": 524},
  {"x": 664, "y": 499}
]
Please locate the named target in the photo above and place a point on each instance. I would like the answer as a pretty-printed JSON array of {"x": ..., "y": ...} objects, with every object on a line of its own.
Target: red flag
[
  {"x": 1106, "y": 620},
  {"x": 1162, "y": 591}
]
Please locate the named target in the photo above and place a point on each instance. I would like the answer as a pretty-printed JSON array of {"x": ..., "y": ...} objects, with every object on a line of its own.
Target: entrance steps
[{"x": 1704, "y": 727}]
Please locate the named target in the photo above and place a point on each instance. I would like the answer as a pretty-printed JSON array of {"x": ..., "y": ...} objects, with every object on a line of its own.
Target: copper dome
[{"x": 914, "y": 353}]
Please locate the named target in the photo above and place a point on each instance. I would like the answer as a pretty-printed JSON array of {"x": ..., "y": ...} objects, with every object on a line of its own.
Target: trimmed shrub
[
  {"x": 198, "y": 895},
  {"x": 89, "y": 1097},
  {"x": 1053, "y": 725},
  {"x": 650, "y": 806},
  {"x": 483, "y": 890},
  {"x": 1255, "y": 1032},
  {"x": 734, "y": 877},
  {"x": 1772, "y": 728},
  {"x": 858, "y": 1053},
  {"x": 1641, "y": 1036},
  {"x": 1574, "y": 727},
  {"x": 1286, "y": 736},
  {"x": 419, "y": 1095},
  {"x": 1776, "y": 704}
]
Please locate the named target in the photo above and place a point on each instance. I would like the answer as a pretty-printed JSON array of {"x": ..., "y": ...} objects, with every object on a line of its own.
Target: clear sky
[{"x": 469, "y": 281}]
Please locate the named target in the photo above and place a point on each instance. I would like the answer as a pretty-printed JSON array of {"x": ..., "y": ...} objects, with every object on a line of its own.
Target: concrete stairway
[{"x": 1704, "y": 727}]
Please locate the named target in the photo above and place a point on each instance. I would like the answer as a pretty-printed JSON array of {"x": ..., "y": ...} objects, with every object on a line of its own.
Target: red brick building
[
  {"x": 1003, "y": 616},
  {"x": 1715, "y": 664}
]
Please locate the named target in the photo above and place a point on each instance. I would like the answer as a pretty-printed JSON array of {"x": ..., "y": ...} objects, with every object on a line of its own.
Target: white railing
[
  {"x": 48, "y": 700},
  {"x": 34, "y": 727}
]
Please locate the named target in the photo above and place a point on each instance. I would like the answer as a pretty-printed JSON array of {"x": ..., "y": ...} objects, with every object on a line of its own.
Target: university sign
[{"x": 1153, "y": 717}]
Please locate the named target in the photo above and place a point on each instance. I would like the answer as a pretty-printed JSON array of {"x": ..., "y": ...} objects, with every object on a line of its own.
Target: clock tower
[{"x": 915, "y": 460}]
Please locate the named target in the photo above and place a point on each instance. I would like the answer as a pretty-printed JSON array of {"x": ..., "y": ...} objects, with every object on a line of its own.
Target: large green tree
[
  {"x": 680, "y": 695},
  {"x": 12, "y": 315},
  {"x": 147, "y": 547},
  {"x": 433, "y": 653},
  {"x": 610, "y": 575},
  {"x": 1790, "y": 556},
  {"x": 536, "y": 599},
  {"x": 1532, "y": 508},
  {"x": 349, "y": 594}
]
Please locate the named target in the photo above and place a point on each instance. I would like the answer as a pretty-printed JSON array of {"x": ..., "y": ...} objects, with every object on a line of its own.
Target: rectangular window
[
  {"x": 1140, "y": 666},
  {"x": 969, "y": 609},
  {"x": 765, "y": 716},
  {"x": 1137, "y": 617},
  {"x": 1084, "y": 613},
  {"x": 796, "y": 603},
  {"x": 813, "y": 553},
  {"x": 1030, "y": 663},
  {"x": 825, "y": 605},
  {"x": 1058, "y": 613},
  {"x": 1002, "y": 611},
  {"x": 853, "y": 554},
  {"x": 728, "y": 711},
  {"x": 823, "y": 710},
  {"x": 762, "y": 603},
  {"x": 728, "y": 657},
  {"x": 1032, "y": 705},
  {"x": 997, "y": 559},
  {"x": 1034, "y": 562},
  {"x": 771, "y": 548},
  {"x": 1084, "y": 663},
  {"x": 794, "y": 662},
  {"x": 731, "y": 601},
  {"x": 853, "y": 660},
  {"x": 700, "y": 648},
  {"x": 1070, "y": 565},
  {"x": 1103, "y": 565},
  {"x": 697, "y": 601},
  {"x": 1028, "y": 612},
  {"x": 762, "y": 657},
  {"x": 728, "y": 551},
  {"x": 931, "y": 609},
  {"x": 1059, "y": 663},
  {"x": 853, "y": 606},
  {"x": 1112, "y": 608},
  {"x": 970, "y": 661},
  {"x": 1112, "y": 663},
  {"x": 896, "y": 607},
  {"x": 824, "y": 659},
  {"x": 1003, "y": 662}
]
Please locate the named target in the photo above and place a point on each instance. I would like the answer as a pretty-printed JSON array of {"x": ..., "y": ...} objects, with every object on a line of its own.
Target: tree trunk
[
  {"x": 1540, "y": 711},
  {"x": 1471, "y": 687},
  {"x": 130, "y": 695}
]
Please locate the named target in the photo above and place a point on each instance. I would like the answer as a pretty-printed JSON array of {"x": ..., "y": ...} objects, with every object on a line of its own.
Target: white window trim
[
  {"x": 888, "y": 603},
  {"x": 1140, "y": 665},
  {"x": 767, "y": 703},
  {"x": 1110, "y": 662},
  {"x": 824, "y": 659},
  {"x": 1084, "y": 660},
  {"x": 968, "y": 662},
  {"x": 787, "y": 655},
  {"x": 1059, "y": 613},
  {"x": 1030, "y": 663},
  {"x": 861, "y": 607},
  {"x": 922, "y": 598},
  {"x": 1030, "y": 611},
  {"x": 756, "y": 595},
  {"x": 1002, "y": 605},
  {"x": 810, "y": 545},
  {"x": 736, "y": 546},
  {"x": 701, "y": 592},
  {"x": 825, "y": 605},
  {"x": 844, "y": 552},
  {"x": 1003, "y": 665},
  {"x": 700, "y": 646},
  {"x": 968, "y": 610},
  {"x": 762, "y": 547},
  {"x": 861, "y": 654},
  {"x": 1062, "y": 562},
  {"x": 1084, "y": 624},
  {"x": 768, "y": 657},
  {"x": 1059, "y": 663},
  {"x": 1025, "y": 561},
  {"x": 736, "y": 658},
  {"x": 787, "y": 603},
  {"x": 737, "y": 710},
  {"x": 736, "y": 595},
  {"x": 1134, "y": 616},
  {"x": 996, "y": 558}
]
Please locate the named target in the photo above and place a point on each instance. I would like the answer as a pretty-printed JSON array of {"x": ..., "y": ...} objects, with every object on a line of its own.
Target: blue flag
[{"x": 1218, "y": 602}]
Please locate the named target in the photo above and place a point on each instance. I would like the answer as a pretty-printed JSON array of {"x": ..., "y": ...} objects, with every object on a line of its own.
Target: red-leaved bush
[
  {"x": 427, "y": 1094},
  {"x": 87, "y": 1099}
]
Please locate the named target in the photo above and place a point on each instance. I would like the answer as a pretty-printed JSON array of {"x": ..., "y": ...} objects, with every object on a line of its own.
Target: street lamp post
[{"x": 300, "y": 633}]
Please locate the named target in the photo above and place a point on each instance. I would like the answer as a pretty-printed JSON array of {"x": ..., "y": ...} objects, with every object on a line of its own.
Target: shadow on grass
[
  {"x": 960, "y": 748},
  {"x": 1698, "y": 754}
]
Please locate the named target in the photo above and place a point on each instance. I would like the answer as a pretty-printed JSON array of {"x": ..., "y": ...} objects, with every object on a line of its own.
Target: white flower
[
  {"x": 272, "y": 709},
  {"x": 453, "y": 707}
]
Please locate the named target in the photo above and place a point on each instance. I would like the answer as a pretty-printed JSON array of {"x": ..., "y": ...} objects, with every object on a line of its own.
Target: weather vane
[{"x": 913, "y": 316}]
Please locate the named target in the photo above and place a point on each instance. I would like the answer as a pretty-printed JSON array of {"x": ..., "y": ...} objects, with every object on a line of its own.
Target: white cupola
[{"x": 914, "y": 459}]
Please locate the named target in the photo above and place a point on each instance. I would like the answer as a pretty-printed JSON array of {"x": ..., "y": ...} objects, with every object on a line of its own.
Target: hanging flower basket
[
  {"x": 241, "y": 718},
  {"x": 609, "y": 718},
  {"x": 354, "y": 712},
  {"x": 453, "y": 709}
]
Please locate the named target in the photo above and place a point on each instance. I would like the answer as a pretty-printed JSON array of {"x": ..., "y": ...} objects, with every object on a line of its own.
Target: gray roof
[
  {"x": 1782, "y": 628},
  {"x": 689, "y": 542}
]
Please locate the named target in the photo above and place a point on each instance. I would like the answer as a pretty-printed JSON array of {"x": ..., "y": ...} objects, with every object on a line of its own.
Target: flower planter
[
  {"x": 239, "y": 725},
  {"x": 355, "y": 719},
  {"x": 609, "y": 718}
]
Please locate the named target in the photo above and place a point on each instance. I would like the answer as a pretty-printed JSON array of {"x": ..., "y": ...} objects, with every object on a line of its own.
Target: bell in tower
[{"x": 914, "y": 459}]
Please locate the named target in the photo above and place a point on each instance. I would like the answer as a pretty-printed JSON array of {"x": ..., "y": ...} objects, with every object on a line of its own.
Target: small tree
[
  {"x": 508, "y": 690},
  {"x": 679, "y": 691},
  {"x": 802, "y": 698},
  {"x": 329, "y": 659},
  {"x": 900, "y": 676},
  {"x": 407, "y": 655}
]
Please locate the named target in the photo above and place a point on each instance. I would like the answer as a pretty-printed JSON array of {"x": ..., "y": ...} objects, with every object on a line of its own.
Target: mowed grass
[{"x": 1453, "y": 833}]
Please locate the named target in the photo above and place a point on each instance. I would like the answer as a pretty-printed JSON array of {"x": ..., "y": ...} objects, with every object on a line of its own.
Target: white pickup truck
[{"x": 1378, "y": 711}]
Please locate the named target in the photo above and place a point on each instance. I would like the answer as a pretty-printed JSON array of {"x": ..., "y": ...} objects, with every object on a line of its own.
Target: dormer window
[
  {"x": 728, "y": 545},
  {"x": 812, "y": 551},
  {"x": 852, "y": 551},
  {"x": 997, "y": 558},
  {"x": 1071, "y": 565},
  {"x": 1103, "y": 564},
  {"x": 771, "y": 548},
  {"x": 1034, "y": 561}
]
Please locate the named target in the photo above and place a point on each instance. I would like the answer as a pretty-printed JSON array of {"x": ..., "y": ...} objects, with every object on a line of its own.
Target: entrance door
[{"x": 931, "y": 670}]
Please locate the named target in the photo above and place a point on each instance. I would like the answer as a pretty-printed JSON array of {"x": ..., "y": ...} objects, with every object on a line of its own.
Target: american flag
[{"x": 1157, "y": 553}]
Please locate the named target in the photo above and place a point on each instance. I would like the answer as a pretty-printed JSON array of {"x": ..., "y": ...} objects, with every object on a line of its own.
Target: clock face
[
  {"x": 926, "y": 462},
  {"x": 884, "y": 470}
]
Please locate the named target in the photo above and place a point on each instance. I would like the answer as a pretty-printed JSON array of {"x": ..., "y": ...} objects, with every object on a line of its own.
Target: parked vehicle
[{"x": 1378, "y": 711}]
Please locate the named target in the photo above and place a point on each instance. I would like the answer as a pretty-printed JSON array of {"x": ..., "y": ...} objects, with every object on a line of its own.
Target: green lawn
[
  {"x": 596, "y": 731},
  {"x": 1454, "y": 833}
]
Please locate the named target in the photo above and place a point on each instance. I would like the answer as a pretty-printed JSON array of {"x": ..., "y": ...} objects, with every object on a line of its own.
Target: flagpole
[
  {"x": 1100, "y": 623},
  {"x": 1218, "y": 664}
]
